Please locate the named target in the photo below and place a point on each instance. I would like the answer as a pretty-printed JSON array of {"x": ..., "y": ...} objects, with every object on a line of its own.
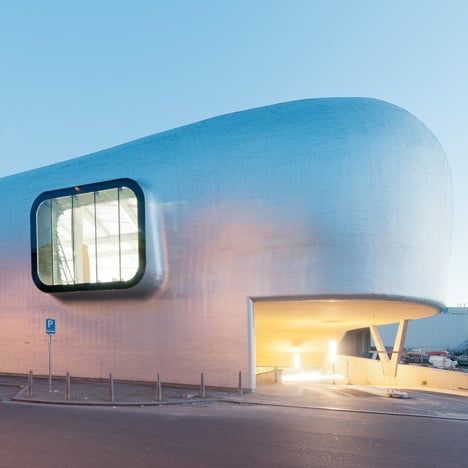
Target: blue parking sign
[{"x": 50, "y": 326}]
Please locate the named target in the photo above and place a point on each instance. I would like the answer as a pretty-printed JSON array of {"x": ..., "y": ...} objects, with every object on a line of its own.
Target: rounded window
[{"x": 89, "y": 237}]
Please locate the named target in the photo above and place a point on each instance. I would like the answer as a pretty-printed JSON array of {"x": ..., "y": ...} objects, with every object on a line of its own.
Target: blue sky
[{"x": 77, "y": 77}]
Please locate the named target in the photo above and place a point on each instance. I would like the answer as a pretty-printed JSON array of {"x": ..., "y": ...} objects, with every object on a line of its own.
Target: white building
[
  {"x": 235, "y": 242},
  {"x": 440, "y": 332}
]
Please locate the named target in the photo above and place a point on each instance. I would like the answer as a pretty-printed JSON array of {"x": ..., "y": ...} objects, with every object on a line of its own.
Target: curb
[{"x": 21, "y": 398}]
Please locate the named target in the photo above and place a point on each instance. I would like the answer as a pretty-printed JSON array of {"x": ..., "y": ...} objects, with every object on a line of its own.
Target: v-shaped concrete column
[{"x": 390, "y": 366}]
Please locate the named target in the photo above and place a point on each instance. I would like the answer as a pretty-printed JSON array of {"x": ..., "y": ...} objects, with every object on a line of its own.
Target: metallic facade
[{"x": 325, "y": 198}]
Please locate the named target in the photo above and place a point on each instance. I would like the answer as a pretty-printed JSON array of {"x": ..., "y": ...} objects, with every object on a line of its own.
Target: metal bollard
[
  {"x": 111, "y": 387},
  {"x": 158, "y": 389},
  {"x": 30, "y": 390},
  {"x": 202, "y": 386},
  {"x": 67, "y": 386},
  {"x": 240, "y": 383}
]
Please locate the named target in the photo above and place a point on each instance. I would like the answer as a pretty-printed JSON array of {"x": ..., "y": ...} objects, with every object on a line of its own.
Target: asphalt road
[{"x": 224, "y": 435}]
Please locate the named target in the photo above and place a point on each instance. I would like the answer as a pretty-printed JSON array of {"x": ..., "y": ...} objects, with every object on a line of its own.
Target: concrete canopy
[
  {"x": 284, "y": 328},
  {"x": 346, "y": 198}
]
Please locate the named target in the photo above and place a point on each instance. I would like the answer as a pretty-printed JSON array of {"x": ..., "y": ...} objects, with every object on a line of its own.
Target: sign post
[{"x": 50, "y": 330}]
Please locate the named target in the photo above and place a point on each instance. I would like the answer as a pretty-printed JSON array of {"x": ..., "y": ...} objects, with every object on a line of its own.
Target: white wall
[
  {"x": 326, "y": 197},
  {"x": 437, "y": 333},
  {"x": 360, "y": 371}
]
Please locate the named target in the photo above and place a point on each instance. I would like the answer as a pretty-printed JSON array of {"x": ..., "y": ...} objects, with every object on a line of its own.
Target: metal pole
[
  {"x": 240, "y": 382},
  {"x": 30, "y": 384},
  {"x": 158, "y": 389},
  {"x": 202, "y": 386},
  {"x": 111, "y": 387},
  {"x": 67, "y": 386},
  {"x": 50, "y": 363}
]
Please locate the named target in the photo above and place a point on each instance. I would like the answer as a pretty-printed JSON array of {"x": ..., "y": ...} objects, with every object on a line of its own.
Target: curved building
[{"x": 236, "y": 242}]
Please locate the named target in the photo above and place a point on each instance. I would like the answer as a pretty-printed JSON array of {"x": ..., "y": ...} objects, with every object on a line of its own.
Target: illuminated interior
[
  {"x": 292, "y": 332},
  {"x": 88, "y": 237}
]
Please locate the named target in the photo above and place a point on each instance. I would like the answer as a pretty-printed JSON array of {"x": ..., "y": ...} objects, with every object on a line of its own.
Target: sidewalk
[
  {"x": 365, "y": 399},
  {"x": 100, "y": 392}
]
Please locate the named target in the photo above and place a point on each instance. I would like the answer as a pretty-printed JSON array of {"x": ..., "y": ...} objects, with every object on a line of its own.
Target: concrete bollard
[
  {"x": 158, "y": 389},
  {"x": 202, "y": 386},
  {"x": 111, "y": 387},
  {"x": 240, "y": 383},
  {"x": 67, "y": 386},
  {"x": 30, "y": 390}
]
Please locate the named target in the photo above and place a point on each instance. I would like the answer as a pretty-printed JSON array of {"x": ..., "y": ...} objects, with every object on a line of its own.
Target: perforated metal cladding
[{"x": 315, "y": 198}]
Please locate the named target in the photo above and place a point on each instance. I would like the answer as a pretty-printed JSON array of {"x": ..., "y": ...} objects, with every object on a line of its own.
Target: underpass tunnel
[{"x": 301, "y": 334}]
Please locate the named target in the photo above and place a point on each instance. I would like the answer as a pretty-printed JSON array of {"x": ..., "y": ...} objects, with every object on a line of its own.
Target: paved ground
[
  {"x": 420, "y": 402},
  {"x": 206, "y": 435},
  {"x": 280, "y": 425},
  {"x": 96, "y": 392}
]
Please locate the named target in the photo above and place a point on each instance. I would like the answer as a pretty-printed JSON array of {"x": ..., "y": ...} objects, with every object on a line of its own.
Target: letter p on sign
[{"x": 50, "y": 326}]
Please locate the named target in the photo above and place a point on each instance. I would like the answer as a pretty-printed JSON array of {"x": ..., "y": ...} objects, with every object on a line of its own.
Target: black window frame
[{"x": 82, "y": 189}]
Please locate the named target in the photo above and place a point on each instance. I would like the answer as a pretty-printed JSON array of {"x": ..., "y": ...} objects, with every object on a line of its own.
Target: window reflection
[{"x": 88, "y": 238}]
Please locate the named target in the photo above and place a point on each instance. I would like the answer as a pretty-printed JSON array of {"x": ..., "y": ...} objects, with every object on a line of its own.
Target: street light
[{"x": 332, "y": 356}]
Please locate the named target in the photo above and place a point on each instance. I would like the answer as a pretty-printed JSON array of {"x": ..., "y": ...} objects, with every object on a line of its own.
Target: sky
[{"x": 78, "y": 77}]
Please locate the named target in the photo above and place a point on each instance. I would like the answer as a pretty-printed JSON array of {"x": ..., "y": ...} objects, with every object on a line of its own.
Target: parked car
[
  {"x": 460, "y": 354},
  {"x": 442, "y": 362},
  {"x": 462, "y": 360},
  {"x": 415, "y": 357}
]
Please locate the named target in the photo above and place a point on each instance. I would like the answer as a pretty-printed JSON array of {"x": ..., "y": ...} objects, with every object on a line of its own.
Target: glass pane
[
  {"x": 128, "y": 233},
  {"x": 84, "y": 238},
  {"x": 107, "y": 236},
  {"x": 44, "y": 242},
  {"x": 63, "y": 269}
]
